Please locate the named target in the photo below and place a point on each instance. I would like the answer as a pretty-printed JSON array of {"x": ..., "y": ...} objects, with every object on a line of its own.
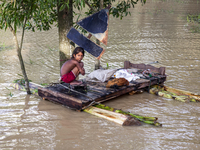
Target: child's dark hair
[{"x": 77, "y": 50}]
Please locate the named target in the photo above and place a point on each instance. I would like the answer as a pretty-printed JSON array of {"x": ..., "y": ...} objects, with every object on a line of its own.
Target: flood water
[{"x": 157, "y": 31}]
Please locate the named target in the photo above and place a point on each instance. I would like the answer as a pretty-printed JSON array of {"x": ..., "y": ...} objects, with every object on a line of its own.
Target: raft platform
[{"x": 81, "y": 97}]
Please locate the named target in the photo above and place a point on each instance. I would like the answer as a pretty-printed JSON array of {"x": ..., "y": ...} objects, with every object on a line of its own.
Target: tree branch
[
  {"x": 14, "y": 34},
  {"x": 90, "y": 6}
]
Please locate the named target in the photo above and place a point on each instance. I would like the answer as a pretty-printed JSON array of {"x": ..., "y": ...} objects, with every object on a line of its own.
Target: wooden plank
[
  {"x": 60, "y": 98},
  {"x": 65, "y": 88},
  {"x": 102, "y": 90},
  {"x": 142, "y": 83},
  {"x": 115, "y": 94},
  {"x": 128, "y": 64}
]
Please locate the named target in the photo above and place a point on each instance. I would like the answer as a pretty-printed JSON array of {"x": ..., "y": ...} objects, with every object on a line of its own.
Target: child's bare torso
[{"x": 68, "y": 66}]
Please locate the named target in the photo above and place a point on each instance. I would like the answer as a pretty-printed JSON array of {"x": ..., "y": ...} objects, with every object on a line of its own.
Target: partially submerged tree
[
  {"x": 41, "y": 14},
  {"x": 26, "y": 14}
]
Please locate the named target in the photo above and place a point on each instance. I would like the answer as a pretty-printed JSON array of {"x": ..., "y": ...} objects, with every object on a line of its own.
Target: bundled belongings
[
  {"x": 124, "y": 73},
  {"x": 115, "y": 83},
  {"x": 101, "y": 75}
]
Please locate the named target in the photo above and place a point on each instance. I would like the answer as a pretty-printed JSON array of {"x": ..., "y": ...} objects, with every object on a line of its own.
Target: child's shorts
[{"x": 68, "y": 77}]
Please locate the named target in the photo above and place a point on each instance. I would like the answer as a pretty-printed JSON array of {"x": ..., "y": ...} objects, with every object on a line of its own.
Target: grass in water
[
  {"x": 21, "y": 81},
  {"x": 10, "y": 94},
  {"x": 194, "y": 23}
]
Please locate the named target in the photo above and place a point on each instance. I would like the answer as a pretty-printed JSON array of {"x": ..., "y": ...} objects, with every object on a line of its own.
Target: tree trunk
[{"x": 65, "y": 22}]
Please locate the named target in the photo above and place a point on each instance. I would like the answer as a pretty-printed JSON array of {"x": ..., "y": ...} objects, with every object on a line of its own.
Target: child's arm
[
  {"x": 80, "y": 67},
  {"x": 83, "y": 70}
]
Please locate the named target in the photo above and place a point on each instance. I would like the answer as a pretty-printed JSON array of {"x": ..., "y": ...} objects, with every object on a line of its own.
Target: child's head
[{"x": 78, "y": 50}]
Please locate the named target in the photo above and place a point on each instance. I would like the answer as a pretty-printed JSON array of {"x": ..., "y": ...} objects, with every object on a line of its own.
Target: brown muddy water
[{"x": 157, "y": 31}]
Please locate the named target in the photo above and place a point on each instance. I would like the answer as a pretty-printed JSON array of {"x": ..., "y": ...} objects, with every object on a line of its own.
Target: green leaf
[
  {"x": 188, "y": 20},
  {"x": 62, "y": 7}
]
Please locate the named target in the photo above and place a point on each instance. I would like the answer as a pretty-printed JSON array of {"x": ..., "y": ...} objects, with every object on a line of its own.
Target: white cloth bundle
[
  {"x": 101, "y": 75},
  {"x": 123, "y": 73}
]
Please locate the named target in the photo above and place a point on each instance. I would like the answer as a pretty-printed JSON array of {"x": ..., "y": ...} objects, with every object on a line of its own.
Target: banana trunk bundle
[
  {"x": 147, "y": 120},
  {"x": 176, "y": 94}
]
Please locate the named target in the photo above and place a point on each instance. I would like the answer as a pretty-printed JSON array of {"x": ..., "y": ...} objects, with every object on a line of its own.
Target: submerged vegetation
[
  {"x": 20, "y": 81},
  {"x": 20, "y": 85},
  {"x": 194, "y": 23},
  {"x": 10, "y": 94}
]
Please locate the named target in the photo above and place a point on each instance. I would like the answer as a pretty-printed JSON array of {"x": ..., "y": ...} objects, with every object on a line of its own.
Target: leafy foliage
[
  {"x": 40, "y": 14},
  {"x": 122, "y": 8},
  {"x": 119, "y": 9}
]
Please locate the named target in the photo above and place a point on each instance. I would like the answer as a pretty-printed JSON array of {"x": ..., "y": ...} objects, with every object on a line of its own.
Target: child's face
[{"x": 78, "y": 56}]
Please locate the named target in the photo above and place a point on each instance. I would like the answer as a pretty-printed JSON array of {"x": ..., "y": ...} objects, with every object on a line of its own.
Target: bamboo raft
[{"x": 97, "y": 92}]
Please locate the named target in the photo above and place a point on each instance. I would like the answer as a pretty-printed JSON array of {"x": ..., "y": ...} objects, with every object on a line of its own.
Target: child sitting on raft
[{"x": 73, "y": 67}]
